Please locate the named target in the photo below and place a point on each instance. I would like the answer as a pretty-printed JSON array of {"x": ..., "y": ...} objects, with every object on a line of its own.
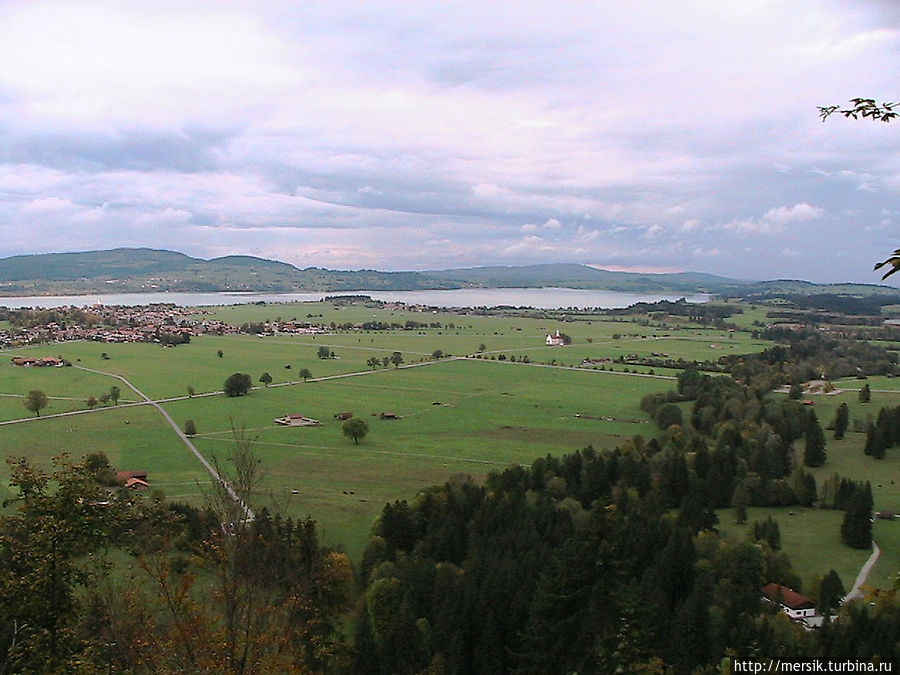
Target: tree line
[{"x": 575, "y": 564}]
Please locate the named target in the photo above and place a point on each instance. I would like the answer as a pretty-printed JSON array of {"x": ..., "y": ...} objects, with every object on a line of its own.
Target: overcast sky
[{"x": 651, "y": 135}]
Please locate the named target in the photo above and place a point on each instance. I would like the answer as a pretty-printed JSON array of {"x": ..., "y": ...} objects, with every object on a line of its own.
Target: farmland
[{"x": 482, "y": 407}]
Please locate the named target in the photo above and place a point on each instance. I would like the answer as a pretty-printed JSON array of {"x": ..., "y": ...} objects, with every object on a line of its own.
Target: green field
[
  {"x": 805, "y": 530},
  {"x": 457, "y": 415}
]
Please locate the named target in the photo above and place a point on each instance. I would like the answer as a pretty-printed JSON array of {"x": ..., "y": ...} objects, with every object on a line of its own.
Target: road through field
[{"x": 248, "y": 514}]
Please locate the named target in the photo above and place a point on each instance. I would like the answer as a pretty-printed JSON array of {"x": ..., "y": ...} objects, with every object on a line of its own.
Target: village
[{"x": 165, "y": 323}]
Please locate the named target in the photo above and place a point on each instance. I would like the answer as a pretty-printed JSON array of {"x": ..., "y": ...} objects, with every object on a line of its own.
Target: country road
[
  {"x": 864, "y": 573},
  {"x": 248, "y": 513}
]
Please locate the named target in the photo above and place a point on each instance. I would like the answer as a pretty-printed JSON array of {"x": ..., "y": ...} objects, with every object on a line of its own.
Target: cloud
[
  {"x": 652, "y": 232},
  {"x": 776, "y": 219},
  {"x": 799, "y": 213},
  {"x": 582, "y": 132},
  {"x": 191, "y": 150},
  {"x": 47, "y": 205}
]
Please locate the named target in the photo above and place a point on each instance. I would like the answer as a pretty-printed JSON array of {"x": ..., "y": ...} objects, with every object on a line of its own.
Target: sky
[{"x": 649, "y": 135}]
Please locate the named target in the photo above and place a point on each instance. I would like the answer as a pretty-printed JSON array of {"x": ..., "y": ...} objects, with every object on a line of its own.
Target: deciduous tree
[
  {"x": 355, "y": 428},
  {"x": 48, "y": 555},
  {"x": 862, "y": 108},
  {"x": 35, "y": 401},
  {"x": 238, "y": 384}
]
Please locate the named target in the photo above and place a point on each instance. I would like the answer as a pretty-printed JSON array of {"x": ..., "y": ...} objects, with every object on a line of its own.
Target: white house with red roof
[{"x": 794, "y": 604}]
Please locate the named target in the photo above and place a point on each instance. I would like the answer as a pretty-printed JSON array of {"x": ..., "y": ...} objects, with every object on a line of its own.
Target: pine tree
[
  {"x": 856, "y": 528},
  {"x": 814, "y": 453},
  {"x": 870, "y": 438},
  {"x": 865, "y": 394},
  {"x": 841, "y": 420},
  {"x": 740, "y": 500},
  {"x": 879, "y": 444},
  {"x": 768, "y": 531},
  {"x": 831, "y": 592}
]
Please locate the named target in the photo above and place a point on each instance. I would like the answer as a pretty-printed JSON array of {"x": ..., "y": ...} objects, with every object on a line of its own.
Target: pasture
[{"x": 456, "y": 415}]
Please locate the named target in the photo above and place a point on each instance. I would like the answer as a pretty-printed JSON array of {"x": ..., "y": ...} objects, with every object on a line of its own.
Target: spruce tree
[
  {"x": 856, "y": 528},
  {"x": 740, "y": 500},
  {"x": 879, "y": 445},
  {"x": 841, "y": 420},
  {"x": 870, "y": 438},
  {"x": 865, "y": 394},
  {"x": 831, "y": 592},
  {"x": 814, "y": 453}
]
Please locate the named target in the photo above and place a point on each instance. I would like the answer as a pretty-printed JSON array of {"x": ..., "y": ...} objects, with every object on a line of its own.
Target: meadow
[{"x": 471, "y": 413}]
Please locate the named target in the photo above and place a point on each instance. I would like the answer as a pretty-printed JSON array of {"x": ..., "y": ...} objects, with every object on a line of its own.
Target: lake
[{"x": 542, "y": 298}]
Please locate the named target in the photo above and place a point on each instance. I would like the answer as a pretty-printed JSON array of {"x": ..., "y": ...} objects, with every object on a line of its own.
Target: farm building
[
  {"x": 794, "y": 604},
  {"x": 296, "y": 420},
  {"x": 44, "y": 362},
  {"x": 133, "y": 480}
]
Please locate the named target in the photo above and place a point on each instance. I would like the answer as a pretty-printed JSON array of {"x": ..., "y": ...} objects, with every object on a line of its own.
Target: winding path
[{"x": 863, "y": 573}]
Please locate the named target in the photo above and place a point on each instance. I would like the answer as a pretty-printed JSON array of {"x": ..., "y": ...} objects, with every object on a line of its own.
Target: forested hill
[
  {"x": 584, "y": 276},
  {"x": 147, "y": 270}
]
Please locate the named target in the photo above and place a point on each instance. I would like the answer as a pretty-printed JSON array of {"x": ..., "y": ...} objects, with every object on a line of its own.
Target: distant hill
[
  {"x": 121, "y": 262},
  {"x": 584, "y": 276},
  {"x": 135, "y": 270}
]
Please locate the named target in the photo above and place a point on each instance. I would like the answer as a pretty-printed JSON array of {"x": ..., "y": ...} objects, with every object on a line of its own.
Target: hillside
[
  {"x": 584, "y": 276},
  {"x": 144, "y": 270},
  {"x": 136, "y": 270}
]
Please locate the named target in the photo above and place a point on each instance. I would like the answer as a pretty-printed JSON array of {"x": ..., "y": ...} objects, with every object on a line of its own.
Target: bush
[{"x": 190, "y": 428}]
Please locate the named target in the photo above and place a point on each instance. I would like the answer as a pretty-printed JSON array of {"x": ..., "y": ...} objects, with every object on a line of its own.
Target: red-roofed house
[
  {"x": 137, "y": 484},
  {"x": 794, "y": 604},
  {"x": 133, "y": 480}
]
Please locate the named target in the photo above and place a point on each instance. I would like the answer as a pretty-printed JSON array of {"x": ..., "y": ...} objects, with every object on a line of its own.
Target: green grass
[
  {"x": 67, "y": 388},
  {"x": 875, "y": 382},
  {"x": 458, "y": 416},
  {"x": 806, "y": 534}
]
